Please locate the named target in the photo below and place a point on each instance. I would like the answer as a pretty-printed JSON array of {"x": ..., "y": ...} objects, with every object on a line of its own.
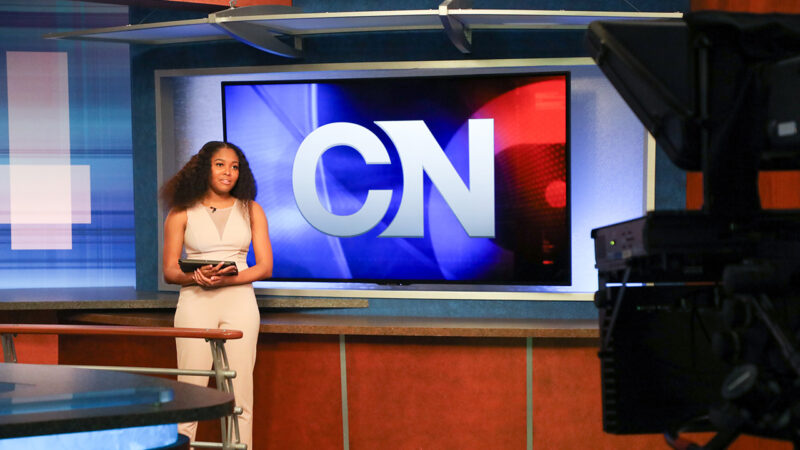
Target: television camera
[{"x": 699, "y": 311}]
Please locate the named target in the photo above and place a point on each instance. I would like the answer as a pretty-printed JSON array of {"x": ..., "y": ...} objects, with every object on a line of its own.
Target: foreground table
[{"x": 44, "y": 400}]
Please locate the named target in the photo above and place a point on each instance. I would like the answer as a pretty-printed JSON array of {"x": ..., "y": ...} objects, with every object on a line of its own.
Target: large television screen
[{"x": 456, "y": 179}]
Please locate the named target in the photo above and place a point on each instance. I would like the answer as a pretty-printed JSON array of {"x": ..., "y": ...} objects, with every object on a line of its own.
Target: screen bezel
[
  {"x": 302, "y": 292},
  {"x": 565, "y": 75}
]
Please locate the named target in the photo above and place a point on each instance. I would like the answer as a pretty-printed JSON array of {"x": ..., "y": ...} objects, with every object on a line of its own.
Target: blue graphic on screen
[
  {"x": 529, "y": 210},
  {"x": 66, "y": 168}
]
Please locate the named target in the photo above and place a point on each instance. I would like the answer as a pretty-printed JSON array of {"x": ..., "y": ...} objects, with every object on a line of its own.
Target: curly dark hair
[{"x": 190, "y": 184}]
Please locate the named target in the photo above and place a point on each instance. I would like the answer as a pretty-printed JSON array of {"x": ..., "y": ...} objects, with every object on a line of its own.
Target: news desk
[{"x": 360, "y": 381}]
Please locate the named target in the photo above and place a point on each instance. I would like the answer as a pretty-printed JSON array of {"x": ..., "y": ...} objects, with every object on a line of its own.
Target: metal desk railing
[{"x": 216, "y": 338}]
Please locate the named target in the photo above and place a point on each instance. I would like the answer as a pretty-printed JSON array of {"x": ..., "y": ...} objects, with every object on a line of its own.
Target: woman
[{"x": 213, "y": 216}]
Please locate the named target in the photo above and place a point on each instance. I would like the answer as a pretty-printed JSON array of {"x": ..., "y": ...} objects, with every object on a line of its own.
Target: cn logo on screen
[{"x": 419, "y": 154}]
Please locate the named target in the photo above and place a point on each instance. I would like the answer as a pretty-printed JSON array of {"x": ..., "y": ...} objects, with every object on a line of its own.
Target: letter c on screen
[{"x": 304, "y": 174}]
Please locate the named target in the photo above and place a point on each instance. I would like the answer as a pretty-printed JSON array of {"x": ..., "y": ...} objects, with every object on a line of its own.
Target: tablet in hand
[{"x": 190, "y": 265}]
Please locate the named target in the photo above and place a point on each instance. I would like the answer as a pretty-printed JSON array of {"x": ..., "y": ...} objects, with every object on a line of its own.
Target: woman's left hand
[
  {"x": 210, "y": 282},
  {"x": 209, "y": 271}
]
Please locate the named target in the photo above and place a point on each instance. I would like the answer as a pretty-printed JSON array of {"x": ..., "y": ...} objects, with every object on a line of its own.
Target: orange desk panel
[
  {"x": 298, "y": 392},
  {"x": 424, "y": 392}
]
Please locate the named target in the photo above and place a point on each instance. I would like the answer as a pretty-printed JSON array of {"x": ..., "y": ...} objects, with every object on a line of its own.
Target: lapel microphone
[{"x": 213, "y": 210}]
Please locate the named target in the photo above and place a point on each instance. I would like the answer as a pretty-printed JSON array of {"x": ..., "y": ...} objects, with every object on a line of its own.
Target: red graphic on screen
[{"x": 530, "y": 166}]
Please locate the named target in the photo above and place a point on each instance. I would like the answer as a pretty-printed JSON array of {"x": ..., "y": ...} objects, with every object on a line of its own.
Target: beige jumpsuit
[{"x": 231, "y": 307}]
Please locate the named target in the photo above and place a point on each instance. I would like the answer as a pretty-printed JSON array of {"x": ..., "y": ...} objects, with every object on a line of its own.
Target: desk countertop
[
  {"x": 303, "y": 323},
  {"x": 127, "y": 306},
  {"x": 128, "y": 297}
]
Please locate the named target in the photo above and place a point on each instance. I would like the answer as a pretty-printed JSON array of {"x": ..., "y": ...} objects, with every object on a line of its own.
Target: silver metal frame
[{"x": 258, "y": 25}]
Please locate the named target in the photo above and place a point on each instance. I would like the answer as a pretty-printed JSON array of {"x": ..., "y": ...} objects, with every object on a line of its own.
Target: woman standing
[{"x": 213, "y": 216}]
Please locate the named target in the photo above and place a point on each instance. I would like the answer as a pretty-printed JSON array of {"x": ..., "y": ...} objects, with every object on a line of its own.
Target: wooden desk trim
[{"x": 105, "y": 330}]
